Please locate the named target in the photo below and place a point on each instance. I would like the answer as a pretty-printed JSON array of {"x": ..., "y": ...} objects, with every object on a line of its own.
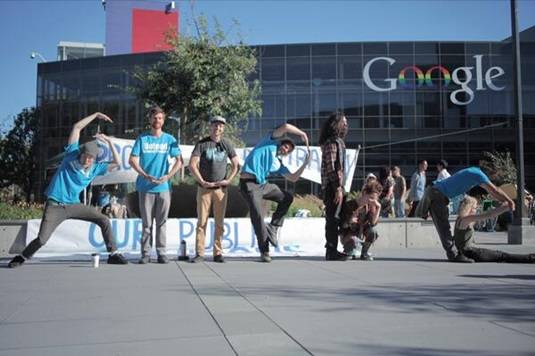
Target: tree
[
  {"x": 18, "y": 153},
  {"x": 201, "y": 77},
  {"x": 503, "y": 164}
]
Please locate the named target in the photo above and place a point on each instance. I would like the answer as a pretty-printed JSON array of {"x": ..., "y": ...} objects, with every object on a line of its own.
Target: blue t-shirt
[
  {"x": 153, "y": 153},
  {"x": 462, "y": 181},
  {"x": 263, "y": 160},
  {"x": 71, "y": 178}
]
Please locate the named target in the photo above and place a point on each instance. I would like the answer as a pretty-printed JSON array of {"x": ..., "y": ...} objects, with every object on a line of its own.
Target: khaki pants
[{"x": 217, "y": 200}]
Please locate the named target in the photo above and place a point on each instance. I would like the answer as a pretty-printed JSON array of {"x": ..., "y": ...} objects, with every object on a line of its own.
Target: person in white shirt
[{"x": 443, "y": 173}]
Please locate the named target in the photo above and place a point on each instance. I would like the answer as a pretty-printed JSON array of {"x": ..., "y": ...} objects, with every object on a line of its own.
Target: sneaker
[
  {"x": 451, "y": 256},
  {"x": 17, "y": 261},
  {"x": 117, "y": 259},
  {"x": 265, "y": 257},
  {"x": 463, "y": 259},
  {"x": 144, "y": 260},
  {"x": 335, "y": 256},
  {"x": 197, "y": 259},
  {"x": 272, "y": 232},
  {"x": 163, "y": 259},
  {"x": 219, "y": 259},
  {"x": 366, "y": 257}
]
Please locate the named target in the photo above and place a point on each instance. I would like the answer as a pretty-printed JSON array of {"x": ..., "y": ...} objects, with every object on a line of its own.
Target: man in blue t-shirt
[
  {"x": 263, "y": 160},
  {"x": 149, "y": 158},
  {"x": 436, "y": 200},
  {"x": 78, "y": 168}
]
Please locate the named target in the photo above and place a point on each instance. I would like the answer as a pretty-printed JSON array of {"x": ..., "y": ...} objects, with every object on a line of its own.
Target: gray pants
[
  {"x": 438, "y": 206},
  {"x": 154, "y": 207},
  {"x": 55, "y": 214},
  {"x": 253, "y": 194}
]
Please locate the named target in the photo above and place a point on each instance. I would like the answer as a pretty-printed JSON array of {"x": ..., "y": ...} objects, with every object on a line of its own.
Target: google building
[{"x": 404, "y": 101}]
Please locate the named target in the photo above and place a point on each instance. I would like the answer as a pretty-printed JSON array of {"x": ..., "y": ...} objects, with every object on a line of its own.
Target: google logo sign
[{"x": 460, "y": 76}]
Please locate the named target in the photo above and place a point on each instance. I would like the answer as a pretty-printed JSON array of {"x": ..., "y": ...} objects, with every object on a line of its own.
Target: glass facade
[{"x": 404, "y": 101}]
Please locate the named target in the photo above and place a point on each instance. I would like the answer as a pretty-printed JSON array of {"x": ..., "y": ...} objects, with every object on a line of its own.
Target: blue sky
[{"x": 38, "y": 25}]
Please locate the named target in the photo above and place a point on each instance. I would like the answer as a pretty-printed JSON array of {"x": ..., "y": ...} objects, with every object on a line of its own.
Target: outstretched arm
[
  {"x": 116, "y": 160},
  {"x": 465, "y": 221},
  {"x": 292, "y": 130},
  {"x": 294, "y": 177},
  {"x": 80, "y": 125},
  {"x": 498, "y": 194}
]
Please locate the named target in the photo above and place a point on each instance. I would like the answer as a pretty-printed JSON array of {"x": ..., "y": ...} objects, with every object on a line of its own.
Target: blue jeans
[{"x": 399, "y": 208}]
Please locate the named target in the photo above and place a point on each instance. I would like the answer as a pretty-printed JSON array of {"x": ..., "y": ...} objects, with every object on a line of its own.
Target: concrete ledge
[{"x": 12, "y": 237}]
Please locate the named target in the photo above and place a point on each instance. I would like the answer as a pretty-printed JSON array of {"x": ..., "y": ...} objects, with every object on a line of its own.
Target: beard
[
  {"x": 343, "y": 132},
  {"x": 156, "y": 125}
]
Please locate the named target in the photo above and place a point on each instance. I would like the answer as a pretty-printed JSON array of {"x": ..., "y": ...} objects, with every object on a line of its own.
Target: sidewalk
[{"x": 407, "y": 302}]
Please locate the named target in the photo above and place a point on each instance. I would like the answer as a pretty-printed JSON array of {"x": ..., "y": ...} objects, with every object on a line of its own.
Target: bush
[
  {"x": 309, "y": 202},
  {"x": 20, "y": 211}
]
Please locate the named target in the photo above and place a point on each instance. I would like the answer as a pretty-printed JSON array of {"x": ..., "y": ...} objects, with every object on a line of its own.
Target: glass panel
[
  {"x": 298, "y": 68},
  {"x": 272, "y": 69}
]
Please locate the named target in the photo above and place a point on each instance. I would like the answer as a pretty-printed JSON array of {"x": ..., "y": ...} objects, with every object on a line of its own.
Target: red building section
[{"x": 149, "y": 28}]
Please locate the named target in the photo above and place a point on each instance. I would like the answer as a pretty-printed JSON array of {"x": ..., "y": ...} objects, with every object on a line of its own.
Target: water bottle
[{"x": 182, "y": 251}]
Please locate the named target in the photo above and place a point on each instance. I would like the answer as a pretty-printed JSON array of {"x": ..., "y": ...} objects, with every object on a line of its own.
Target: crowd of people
[{"x": 156, "y": 157}]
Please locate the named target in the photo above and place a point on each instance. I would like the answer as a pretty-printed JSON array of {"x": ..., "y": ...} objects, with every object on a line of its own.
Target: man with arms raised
[
  {"x": 77, "y": 169},
  {"x": 266, "y": 159}
]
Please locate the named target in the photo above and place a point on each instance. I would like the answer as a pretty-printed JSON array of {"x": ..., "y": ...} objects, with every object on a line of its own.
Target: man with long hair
[{"x": 333, "y": 162}]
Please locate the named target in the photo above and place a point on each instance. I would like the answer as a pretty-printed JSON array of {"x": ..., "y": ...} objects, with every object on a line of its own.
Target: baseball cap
[
  {"x": 215, "y": 119},
  {"x": 370, "y": 175},
  {"x": 91, "y": 148}
]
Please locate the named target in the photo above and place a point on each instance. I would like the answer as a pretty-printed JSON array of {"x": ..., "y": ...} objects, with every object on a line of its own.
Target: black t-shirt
[{"x": 213, "y": 158}]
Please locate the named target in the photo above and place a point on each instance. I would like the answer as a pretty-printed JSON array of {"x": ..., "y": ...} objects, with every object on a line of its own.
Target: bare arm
[
  {"x": 194, "y": 169},
  {"x": 498, "y": 194},
  {"x": 235, "y": 165},
  {"x": 116, "y": 160},
  {"x": 176, "y": 167},
  {"x": 294, "y": 177},
  {"x": 292, "y": 130},
  {"x": 80, "y": 125},
  {"x": 134, "y": 163},
  {"x": 465, "y": 221},
  {"x": 376, "y": 211}
]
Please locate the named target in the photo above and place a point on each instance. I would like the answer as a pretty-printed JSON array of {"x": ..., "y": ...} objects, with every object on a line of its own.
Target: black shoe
[
  {"x": 219, "y": 259},
  {"x": 335, "y": 255},
  {"x": 117, "y": 259},
  {"x": 265, "y": 257},
  {"x": 163, "y": 259},
  {"x": 144, "y": 260},
  {"x": 197, "y": 259},
  {"x": 462, "y": 259},
  {"x": 272, "y": 232},
  {"x": 366, "y": 257},
  {"x": 17, "y": 261}
]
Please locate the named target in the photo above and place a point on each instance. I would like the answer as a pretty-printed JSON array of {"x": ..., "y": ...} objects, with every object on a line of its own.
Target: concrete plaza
[{"x": 407, "y": 302}]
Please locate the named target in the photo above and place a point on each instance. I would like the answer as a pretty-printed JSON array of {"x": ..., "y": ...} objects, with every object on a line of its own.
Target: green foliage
[
  {"x": 20, "y": 211},
  {"x": 309, "y": 202},
  {"x": 18, "y": 152},
  {"x": 203, "y": 76},
  {"x": 502, "y": 163}
]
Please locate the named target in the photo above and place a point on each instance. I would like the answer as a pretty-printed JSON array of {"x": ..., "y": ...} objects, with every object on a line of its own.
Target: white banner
[
  {"x": 75, "y": 237},
  {"x": 293, "y": 161}
]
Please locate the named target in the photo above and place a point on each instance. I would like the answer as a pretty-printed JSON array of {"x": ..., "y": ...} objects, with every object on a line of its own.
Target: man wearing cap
[
  {"x": 266, "y": 159},
  {"x": 149, "y": 158},
  {"x": 77, "y": 169},
  {"x": 208, "y": 164}
]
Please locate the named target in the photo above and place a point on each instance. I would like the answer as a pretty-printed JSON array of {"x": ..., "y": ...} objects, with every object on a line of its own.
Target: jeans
[
  {"x": 154, "y": 207},
  {"x": 399, "y": 208},
  {"x": 254, "y": 193},
  {"x": 55, "y": 214},
  {"x": 486, "y": 255}
]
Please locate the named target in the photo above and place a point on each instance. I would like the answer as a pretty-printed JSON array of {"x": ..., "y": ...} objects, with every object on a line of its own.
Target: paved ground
[{"x": 407, "y": 302}]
